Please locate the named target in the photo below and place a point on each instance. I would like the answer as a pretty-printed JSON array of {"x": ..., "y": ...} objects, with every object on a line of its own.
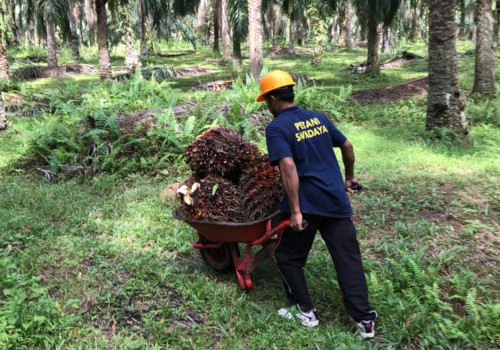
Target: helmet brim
[{"x": 262, "y": 96}]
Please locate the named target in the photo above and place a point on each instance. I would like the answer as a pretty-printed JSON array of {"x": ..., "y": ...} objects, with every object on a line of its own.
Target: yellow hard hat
[{"x": 274, "y": 80}]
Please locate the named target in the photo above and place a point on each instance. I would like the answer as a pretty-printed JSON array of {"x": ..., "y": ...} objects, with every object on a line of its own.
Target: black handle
[
  {"x": 356, "y": 187},
  {"x": 305, "y": 224}
]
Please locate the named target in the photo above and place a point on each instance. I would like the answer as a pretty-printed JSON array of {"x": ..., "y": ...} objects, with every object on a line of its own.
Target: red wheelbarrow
[{"x": 218, "y": 244}]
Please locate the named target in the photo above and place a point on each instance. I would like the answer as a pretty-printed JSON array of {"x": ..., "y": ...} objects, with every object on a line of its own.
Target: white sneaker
[
  {"x": 367, "y": 328},
  {"x": 306, "y": 319}
]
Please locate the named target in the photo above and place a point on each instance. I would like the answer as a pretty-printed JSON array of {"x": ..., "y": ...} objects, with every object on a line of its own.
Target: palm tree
[
  {"x": 373, "y": 13},
  {"x": 348, "y": 24},
  {"x": 102, "y": 40},
  {"x": 238, "y": 16},
  {"x": 3, "y": 118},
  {"x": 226, "y": 40},
  {"x": 461, "y": 26},
  {"x": 215, "y": 19},
  {"x": 255, "y": 31},
  {"x": 74, "y": 43},
  {"x": 49, "y": 15},
  {"x": 14, "y": 26},
  {"x": 498, "y": 23},
  {"x": 141, "y": 17},
  {"x": 166, "y": 16},
  {"x": 484, "y": 79},
  {"x": 91, "y": 20},
  {"x": 4, "y": 63},
  {"x": 445, "y": 108}
]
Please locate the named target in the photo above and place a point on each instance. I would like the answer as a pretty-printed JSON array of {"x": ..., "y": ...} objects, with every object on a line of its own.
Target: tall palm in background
[
  {"x": 224, "y": 29},
  {"x": 238, "y": 17},
  {"x": 484, "y": 78},
  {"x": 4, "y": 63},
  {"x": 49, "y": 14},
  {"x": 102, "y": 40},
  {"x": 73, "y": 13},
  {"x": 374, "y": 13},
  {"x": 444, "y": 103},
  {"x": 255, "y": 33}
]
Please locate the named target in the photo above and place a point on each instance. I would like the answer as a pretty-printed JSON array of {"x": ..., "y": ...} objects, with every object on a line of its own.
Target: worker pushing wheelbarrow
[{"x": 301, "y": 143}]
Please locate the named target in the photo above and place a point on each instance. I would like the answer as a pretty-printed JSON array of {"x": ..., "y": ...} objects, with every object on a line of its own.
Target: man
[{"x": 301, "y": 142}]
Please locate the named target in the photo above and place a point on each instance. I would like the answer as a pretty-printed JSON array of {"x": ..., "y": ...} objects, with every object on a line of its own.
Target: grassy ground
[{"x": 101, "y": 264}]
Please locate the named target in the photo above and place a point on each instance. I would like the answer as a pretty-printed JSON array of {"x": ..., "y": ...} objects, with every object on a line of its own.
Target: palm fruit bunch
[
  {"x": 212, "y": 198},
  {"x": 230, "y": 181},
  {"x": 261, "y": 188},
  {"x": 222, "y": 152}
]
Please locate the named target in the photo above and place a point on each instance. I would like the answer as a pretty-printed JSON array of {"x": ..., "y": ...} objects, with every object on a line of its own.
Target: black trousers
[{"x": 340, "y": 238}]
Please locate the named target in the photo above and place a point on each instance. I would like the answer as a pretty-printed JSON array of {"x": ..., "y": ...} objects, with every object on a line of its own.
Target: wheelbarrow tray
[{"x": 228, "y": 231}]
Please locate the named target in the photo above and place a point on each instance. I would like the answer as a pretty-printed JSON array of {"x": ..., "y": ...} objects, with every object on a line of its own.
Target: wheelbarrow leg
[{"x": 243, "y": 266}]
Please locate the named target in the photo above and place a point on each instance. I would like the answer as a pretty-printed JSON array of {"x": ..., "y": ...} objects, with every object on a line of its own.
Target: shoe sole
[{"x": 367, "y": 335}]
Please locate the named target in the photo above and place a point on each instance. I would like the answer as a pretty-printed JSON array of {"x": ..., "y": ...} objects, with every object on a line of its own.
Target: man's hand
[
  {"x": 349, "y": 183},
  {"x": 296, "y": 222}
]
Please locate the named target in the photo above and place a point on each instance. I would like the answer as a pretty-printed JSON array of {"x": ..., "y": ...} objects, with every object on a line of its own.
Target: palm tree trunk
[
  {"x": 32, "y": 33},
  {"x": 131, "y": 57},
  {"x": 72, "y": 15},
  {"x": 51, "y": 45},
  {"x": 237, "y": 48},
  {"x": 4, "y": 63},
  {"x": 386, "y": 43},
  {"x": 15, "y": 27},
  {"x": 348, "y": 24},
  {"x": 215, "y": 13},
  {"x": 461, "y": 26},
  {"x": 484, "y": 80},
  {"x": 498, "y": 24},
  {"x": 226, "y": 39},
  {"x": 102, "y": 40},
  {"x": 143, "y": 52},
  {"x": 291, "y": 36},
  {"x": 3, "y": 118},
  {"x": 255, "y": 32},
  {"x": 342, "y": 20},
  {"x": 414, "y": 24},
  {"x": 90, "y": 13},
  {"x": 275, "y": 17},
  {"x": 372, "y": 64},
  {"x": 445, "y": 108}
]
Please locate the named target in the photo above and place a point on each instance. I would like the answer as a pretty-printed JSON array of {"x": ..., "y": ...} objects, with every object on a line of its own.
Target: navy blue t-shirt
[{"x": 309, "y": 137}]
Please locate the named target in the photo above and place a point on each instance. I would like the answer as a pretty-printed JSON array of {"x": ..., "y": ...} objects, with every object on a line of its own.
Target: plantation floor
[{"x": 101, "y": 264}]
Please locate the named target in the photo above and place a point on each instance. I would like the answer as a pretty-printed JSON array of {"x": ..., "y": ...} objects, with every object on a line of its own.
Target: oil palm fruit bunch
[
  {"x": 221, "y": 152},
  {"x": 211, "y": 199},
  {"x": 261, "y": 189}
]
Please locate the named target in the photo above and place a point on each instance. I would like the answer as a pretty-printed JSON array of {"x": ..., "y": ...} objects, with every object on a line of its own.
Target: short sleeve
[
  {"x": 338, "y": 139},
  {"x": 277, "y": 145}
]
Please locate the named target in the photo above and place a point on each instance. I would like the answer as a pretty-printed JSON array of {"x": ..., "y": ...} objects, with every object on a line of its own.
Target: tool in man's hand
[{"x": 356, "y": 187}]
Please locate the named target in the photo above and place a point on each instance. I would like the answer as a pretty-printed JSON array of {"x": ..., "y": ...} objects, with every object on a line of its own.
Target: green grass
[{"x": 100, "y": 263}]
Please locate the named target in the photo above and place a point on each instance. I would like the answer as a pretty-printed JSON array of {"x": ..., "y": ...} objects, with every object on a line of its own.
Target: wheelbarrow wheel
[{"x": 219, "y": 259}]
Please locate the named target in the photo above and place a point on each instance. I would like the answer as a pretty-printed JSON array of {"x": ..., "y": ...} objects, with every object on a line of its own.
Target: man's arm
[
  {"x": 290, "y": 180},
  {"x": 348, "y": 159}
]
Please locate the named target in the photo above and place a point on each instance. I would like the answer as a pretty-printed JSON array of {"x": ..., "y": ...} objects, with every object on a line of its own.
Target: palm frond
[{"x": 238, "y": 16}]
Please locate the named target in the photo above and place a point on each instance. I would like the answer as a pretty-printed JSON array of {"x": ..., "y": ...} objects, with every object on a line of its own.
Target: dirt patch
[
  {"x": 137, "y": 123},
  {"x": 217, "y": 85},
  {"x": 191, "y": 71},
  {"x": 393, "y": 64},
  {"x": 69, "y": 70},
  {"x": 392, "y": 93},
  {"x": 277, "y": 51},
  {"x": 174, "y": 54}
]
